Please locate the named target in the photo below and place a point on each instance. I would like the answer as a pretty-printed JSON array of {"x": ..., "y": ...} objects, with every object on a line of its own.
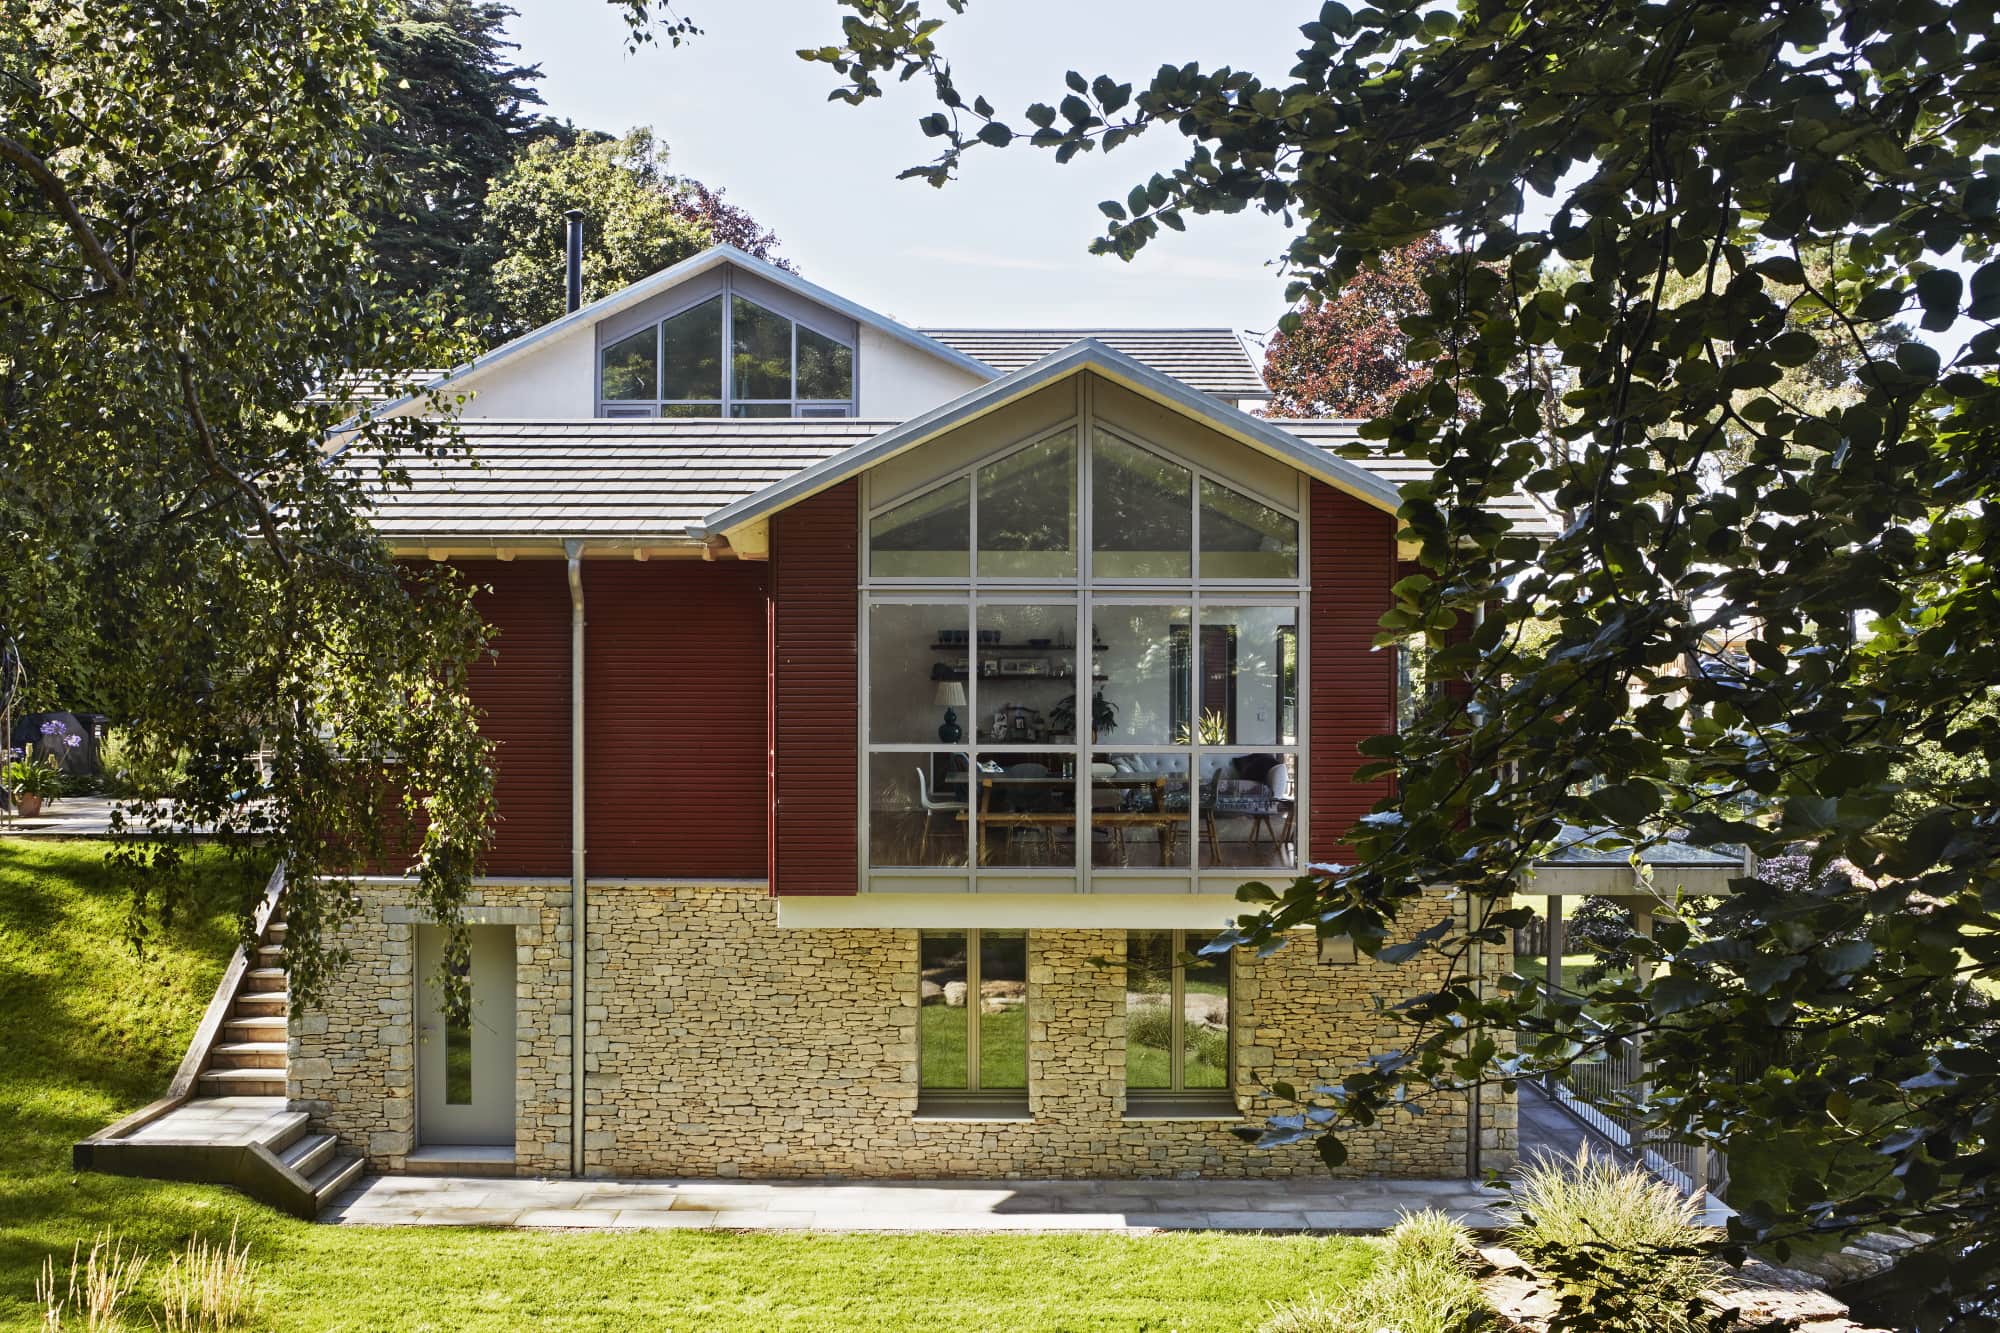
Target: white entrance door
[{"x": 465, "y": 1073}]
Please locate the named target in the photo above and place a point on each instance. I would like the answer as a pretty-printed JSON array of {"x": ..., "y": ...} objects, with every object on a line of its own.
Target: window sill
[
  {"x": 1182, "y": 1107},
  {"x": 973, "y": 1107}
]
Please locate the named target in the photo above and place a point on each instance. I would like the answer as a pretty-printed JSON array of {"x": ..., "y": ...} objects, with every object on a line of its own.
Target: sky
[{"x": 1006, "y": 243}]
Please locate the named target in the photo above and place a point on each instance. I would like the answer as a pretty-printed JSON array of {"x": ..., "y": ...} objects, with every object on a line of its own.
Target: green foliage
[
  {"x": 1620, "y": 1248},
  {"x": 130, "y": 772},
  {"x": 183, "y": 251},
  {"x": 456, "y": 111},
  {"x": 33, "y": 775},
  {"x": 1422, "y": 1284},
  {"x": 1730, "y": 192},
  {"x": 639, "y": 219}
]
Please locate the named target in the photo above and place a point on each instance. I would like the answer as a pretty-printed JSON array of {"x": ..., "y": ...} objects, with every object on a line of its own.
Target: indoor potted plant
[{"x": 1103, "y": 715}]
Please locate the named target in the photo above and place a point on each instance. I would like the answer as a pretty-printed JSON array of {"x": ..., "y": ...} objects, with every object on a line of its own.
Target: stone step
[
  {"x": 247, "y": 1055},
  {"x": 275, "y": 931},
  {"x": 289, "y": 1129},
  {"x": 261, "y": 1004},
  {"x": 243, "y": 1083},
  {"x": 259, "y": 1027},
  {"x": 270, "y": 955},
  {"x": 260, "y": 979},
  {"x": 310, "y": 1153},
  {"x": 334, "y": 1177}
]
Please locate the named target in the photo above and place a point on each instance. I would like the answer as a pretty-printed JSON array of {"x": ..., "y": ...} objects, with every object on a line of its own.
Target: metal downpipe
[{"x": 579, "y": 951}]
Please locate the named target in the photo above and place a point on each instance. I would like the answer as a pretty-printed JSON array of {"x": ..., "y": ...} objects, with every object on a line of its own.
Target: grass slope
[{"x": 89, "y": 1031}]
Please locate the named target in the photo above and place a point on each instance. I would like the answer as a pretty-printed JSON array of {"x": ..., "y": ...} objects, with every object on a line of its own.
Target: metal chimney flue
[{"x": 574, "y": 268}]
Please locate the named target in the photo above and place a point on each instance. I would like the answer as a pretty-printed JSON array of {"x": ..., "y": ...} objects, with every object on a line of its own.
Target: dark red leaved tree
[{"x": 1346, "y": 356}]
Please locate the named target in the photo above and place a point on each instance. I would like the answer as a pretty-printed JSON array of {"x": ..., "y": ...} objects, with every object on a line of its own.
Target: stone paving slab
[{"x": 930, "y": 1206}]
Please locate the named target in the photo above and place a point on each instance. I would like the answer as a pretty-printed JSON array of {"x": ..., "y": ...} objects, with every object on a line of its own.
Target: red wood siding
[
  {"x": 674, "y": 729},
  {"x": 815, "y": 658},
  {"x": 1352, "y": 687},
  {"x": 524, "y": 695}
]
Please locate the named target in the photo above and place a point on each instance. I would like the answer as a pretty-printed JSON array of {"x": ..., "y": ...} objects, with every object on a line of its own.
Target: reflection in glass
[
  {"x": 458, "y": 1049},
  {"x": 1025, "y": 810},
  {"x": 1149, "y": 1014},
  {"x": 1143, "y": 651},
  {"x": 912, "y": 649},
  {"x": 1139, "y": 810},
  {"x": 942, "y": 1034},
  {"x": 1026, "y": 660},
  {"x": 1242, "y": 538},
  {"x": 1027, "y": 512},
  {"x": 692, "y": 355},
  {"x": 1142, "y": 513},
  {"x": 760, "y": 409},
  {"x": 1204, "y": 1018},
  {"x": 631, "y": 367},
  {"x": 1247, "y": 810},
  {"x": 917, "y": 809},
  {"x": 1249, "y": 695},
  {"x": 761, "y": 351},
  {"x": 925, "y": 537},
  {"x": 1003, "y": 1009},
  {"x": 826, "y": 367}
]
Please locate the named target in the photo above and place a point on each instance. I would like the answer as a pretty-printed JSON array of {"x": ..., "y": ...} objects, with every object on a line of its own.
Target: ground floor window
[
  {"x": 1176, "y": 1024},
  {"x": 972, "y": 1036}
]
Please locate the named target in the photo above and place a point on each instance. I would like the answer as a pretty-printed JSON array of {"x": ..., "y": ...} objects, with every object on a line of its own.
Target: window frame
[
  {"x": 655, "y": 408},
  {"x": 1177, "y": 1099},
  {"x": 974, "y": 1101},
  {"x": 1202, "y": 873}
]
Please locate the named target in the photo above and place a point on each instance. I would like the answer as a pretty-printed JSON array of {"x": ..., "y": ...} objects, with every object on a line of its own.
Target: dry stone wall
[{"x": 717, "y": 1044}]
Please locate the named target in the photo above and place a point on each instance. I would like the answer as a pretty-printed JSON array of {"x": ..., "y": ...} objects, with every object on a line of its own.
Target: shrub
[
  {"x": 1621, "y": 1248},
  {"x": 1423, "y": 1284},
  {"x": 1150, "y": 1025}
]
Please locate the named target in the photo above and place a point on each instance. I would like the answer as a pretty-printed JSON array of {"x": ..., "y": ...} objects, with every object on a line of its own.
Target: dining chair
[{"x": 931, "y": 808}]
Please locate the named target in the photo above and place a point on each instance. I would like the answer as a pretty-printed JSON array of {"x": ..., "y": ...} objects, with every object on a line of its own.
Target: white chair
[{"x": 931, "y": 808}]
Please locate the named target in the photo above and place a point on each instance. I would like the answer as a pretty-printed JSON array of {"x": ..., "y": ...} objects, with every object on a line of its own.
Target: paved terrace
[{"x": 1019, "y": 1205}]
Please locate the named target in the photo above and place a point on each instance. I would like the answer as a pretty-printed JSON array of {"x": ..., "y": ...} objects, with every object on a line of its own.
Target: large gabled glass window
[
  {"x": 1083, "y": 671},
  {"x": 774, "y": 366}
]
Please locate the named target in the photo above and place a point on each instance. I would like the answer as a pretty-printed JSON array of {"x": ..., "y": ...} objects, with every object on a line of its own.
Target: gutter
[{"x": 578, "y": 916}]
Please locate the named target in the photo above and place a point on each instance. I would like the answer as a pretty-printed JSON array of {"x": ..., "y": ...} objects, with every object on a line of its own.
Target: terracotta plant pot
[{"x": 28, "y": 804}]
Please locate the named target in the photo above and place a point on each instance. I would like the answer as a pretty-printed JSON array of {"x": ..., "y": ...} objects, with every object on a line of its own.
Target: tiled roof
[
  {"x": 1211, "y": 360},
  {"x": 543, "y": 479},
  {"x": 532, "y": 480},
  {"x": 1529, "y": 514}
]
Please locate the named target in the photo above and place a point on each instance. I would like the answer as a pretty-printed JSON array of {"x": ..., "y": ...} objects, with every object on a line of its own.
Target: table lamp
[{"x": 950, "y": 697}]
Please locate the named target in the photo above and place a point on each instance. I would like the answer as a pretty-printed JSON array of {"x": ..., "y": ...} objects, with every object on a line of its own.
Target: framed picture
[{"x": 1024, "y": 666}]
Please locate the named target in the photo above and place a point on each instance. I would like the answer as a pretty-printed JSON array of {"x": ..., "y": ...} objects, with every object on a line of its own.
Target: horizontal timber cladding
[
  {"x": 523, "y": 694},
  {"x": 674, "y": 719},
  {"x": 1352, "y": 687},
  {"x": 815, "y": 686}
]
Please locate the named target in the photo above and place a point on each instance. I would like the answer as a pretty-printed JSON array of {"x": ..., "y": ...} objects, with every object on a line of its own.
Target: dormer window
[{"x": 775, "y": 366}]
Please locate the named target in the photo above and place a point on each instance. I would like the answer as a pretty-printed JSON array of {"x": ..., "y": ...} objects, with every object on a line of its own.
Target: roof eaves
[{"x": 1085, "y": 354}]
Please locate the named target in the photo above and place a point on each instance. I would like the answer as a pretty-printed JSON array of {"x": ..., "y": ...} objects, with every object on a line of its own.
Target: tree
[
  {"x": 458, "y": 111},
  {"x": 183, "y": 261},
  {"x": 1725, "y": 143},
  {"x": 639, "y": 219},
  {"x": 1345, "y": 356}
]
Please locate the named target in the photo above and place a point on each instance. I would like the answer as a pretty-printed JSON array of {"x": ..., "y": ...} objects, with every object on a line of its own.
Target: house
[{"x": 893, "y": 709}]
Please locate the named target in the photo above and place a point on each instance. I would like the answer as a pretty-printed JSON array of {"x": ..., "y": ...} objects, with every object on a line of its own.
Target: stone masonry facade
[{"x": 719, "y": 1045}]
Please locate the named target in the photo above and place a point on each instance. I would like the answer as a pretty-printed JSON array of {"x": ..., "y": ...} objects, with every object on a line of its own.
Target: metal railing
[{"x": 1604, "y": 1091}]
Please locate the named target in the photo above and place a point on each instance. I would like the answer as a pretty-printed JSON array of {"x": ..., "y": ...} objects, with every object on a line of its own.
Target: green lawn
[{"x": 89, "y": 1030}]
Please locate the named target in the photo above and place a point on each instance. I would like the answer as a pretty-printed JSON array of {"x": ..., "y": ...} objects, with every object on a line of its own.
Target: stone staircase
[
  {"x": 225, "y": 1119},
  {"x": 248, "y": 1060}
]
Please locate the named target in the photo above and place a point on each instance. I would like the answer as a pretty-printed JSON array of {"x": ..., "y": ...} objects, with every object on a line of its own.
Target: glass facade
[
  {"x": 1091, "y": 658},
  {"x": 972, "y": 1038},
  {"x": 1176, "y": 1016}
]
